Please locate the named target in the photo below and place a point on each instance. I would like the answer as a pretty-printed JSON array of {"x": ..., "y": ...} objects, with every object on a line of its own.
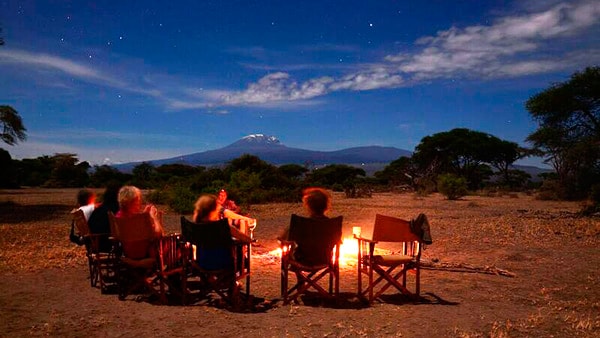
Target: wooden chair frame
[
  {"x": 223, "y": 281},
  {"x": 171, "y": 271},
  {"x": 135, "y": 272},
  {"x": 388, "y": 268},
  {"x": 309, "y": 274},
  {"x": 101, "y": 265}
]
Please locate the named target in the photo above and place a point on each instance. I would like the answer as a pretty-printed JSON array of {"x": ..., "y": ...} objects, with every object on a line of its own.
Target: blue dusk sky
[{"x": 121, "y": 81}]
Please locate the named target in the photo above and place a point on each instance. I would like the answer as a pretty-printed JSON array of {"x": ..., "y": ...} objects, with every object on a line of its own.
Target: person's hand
[
  {"x": 252, "y": 223},
  {"x": 152, "y": 210}
]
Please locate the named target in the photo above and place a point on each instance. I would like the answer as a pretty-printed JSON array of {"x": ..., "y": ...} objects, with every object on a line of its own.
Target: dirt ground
[{"x": 553, "y": 254}]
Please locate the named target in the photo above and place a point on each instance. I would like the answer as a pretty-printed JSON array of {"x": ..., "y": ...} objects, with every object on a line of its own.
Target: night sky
[{"x": 121, "y": 81}]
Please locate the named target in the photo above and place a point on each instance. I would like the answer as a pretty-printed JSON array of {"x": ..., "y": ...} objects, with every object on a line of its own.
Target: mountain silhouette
[{"x": 271, "y": 150}]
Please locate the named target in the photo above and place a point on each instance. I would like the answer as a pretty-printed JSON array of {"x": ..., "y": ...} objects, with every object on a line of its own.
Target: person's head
[
  {"x": 130, "y": 199},
  {"x": 85, "y": 197},
  {"x": 222, "y": 196},
  {"x": 317, "y": 201},
  {"x": 110, "y": 197},
  {"x": 205, "y": 208}
]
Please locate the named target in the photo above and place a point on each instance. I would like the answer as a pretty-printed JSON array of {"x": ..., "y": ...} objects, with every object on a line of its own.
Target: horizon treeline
[{"x": 454, "y": 162}]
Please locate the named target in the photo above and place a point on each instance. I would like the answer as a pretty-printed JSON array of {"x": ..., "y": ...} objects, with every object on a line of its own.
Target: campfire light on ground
[{"x": 348, "y": 252}]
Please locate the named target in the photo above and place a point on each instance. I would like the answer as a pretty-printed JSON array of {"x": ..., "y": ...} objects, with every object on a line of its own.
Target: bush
[
  {"x": 182, "y": 200},
  {"x": 551, "y": 190},
  {"x": 452, "y": 186},
  {"x": 592, "y": 206},
  {"x": 158, "y": 196}
]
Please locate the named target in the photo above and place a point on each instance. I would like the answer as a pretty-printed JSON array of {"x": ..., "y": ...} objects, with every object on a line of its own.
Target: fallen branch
[{"x": 462, "y": 267}]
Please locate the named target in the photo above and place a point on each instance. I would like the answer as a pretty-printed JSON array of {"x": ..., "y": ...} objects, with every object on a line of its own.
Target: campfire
[{"x": 348, "y": 252}]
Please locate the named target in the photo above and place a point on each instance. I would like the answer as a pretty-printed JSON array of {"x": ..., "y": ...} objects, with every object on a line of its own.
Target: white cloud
[
  {"x": 512, "y": 45},
  {"x": 475, "y": 50},
  {"x": 368, "y": 80},
  {"x": 42, "y": 61}
]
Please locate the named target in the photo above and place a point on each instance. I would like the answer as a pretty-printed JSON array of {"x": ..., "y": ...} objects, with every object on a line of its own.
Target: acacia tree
[
  {"x": 402, "y": 171},
  {"x": 466, "y": 153},
  {"x": 13, "y": 129},
  {"x": 568, "y": 135}
]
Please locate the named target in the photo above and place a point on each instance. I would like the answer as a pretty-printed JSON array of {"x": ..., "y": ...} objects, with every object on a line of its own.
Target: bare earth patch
[{"x": 553, "y": 254}]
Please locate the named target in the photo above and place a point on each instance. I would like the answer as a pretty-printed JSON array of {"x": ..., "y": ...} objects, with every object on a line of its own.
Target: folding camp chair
[
  {"x": 83, "y": 233},
  {"x": 218, "y": 260},
  {"x": 390, "y": 269},
  {"x": 137, "y": 254},
  {"x": 312, "y": 252},
  {"x": 170, "y": 267}
]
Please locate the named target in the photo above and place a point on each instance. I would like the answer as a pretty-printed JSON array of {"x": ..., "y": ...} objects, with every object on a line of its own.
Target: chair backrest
[
  {"x": 392, "y": 229},
  {"x": 315, "y": 238},
  {"x": 213, "y": 241},
  {"x": 210, "y": 235},
  {"x": 135, "y": 232},
  {"x": 81, "y": 223}
]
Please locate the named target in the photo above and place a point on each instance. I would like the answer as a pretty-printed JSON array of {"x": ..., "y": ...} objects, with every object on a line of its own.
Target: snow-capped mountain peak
[{"x": 259, "y": 139}]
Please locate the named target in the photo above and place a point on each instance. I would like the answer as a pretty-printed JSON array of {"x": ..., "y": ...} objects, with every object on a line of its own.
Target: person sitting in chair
[
  {"x": 206, "y": 209},
  {"x": 316, "y": 202},
  {"x": 98, "y": 222},
  {"x": 86, "y": 200},
  {"x": 226, "y": 203},
  {"x": 130, "y": 202}
]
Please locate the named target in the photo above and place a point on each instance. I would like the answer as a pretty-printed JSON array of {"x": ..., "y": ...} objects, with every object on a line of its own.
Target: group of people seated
[{"x": 127, "y": 200}]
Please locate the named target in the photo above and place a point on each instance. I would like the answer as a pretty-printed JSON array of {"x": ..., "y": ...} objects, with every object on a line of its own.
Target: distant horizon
[
  {"x": 535, "y": 164},
  {"x": 119, "y": 82}
]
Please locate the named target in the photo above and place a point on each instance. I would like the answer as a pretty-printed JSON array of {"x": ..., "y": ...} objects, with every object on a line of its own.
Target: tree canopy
[
  {"x": 466, "y": 153},
  {"x": 568, "y": 135},
  {"x": 13, "y": 129}
]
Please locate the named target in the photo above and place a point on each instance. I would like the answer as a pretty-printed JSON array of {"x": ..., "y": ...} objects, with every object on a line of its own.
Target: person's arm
[
  {"x": 232, "y": 215},
  {"x": 240, "y": 236},
  {"x": 156, "y": 216}
]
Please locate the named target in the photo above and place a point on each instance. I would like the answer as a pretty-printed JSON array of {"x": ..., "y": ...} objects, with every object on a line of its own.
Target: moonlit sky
[{"x": 122, "y": 81}]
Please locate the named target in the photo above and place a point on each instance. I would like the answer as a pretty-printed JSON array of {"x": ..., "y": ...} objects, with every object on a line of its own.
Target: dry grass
[{"x": 552, "y": 251}]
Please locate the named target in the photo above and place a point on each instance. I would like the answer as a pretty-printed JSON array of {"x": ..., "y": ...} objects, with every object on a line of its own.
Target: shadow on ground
[
  {"x": 14, "y": 213},
  {"x": 424, "y": 299}
]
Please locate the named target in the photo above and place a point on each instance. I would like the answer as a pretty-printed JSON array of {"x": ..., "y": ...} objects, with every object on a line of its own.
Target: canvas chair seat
[
  {"x": 296, "y": 266},
  {"x": 311, "y": 251},
  {"x": 391, "y": 260},
  {"x": 145, "y": 263},
  {"x": 386, "y": 271}
]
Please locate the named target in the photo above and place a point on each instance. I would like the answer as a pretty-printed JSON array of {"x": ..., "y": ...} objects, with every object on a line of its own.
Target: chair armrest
[
  {"x": 285, "y": 242},
  {"x": 239, "y": 236},
  {"x": 362, "y": 239}
]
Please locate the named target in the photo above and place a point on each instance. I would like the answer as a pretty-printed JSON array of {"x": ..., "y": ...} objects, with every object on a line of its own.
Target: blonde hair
[
  {"x": 316, "y": 200},
  {"x": 127, "y": 196},
  {"x": 205, "y": 204}
]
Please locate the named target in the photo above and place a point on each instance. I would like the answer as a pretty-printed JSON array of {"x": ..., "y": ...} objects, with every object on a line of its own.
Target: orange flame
[{"x": 348, "y": 252}]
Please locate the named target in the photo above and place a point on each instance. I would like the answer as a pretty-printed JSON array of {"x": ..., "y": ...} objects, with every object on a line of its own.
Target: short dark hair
[
  {"x": 84, "y": 196},
  {"x": 317, "y": 200}
]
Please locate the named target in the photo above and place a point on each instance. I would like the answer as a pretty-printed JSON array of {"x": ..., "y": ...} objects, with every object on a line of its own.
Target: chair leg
[
  {"x": 418, "y": 281},
  {"x": 284, "y": 285},
  {"x": 370, "y": 287},
  {"x": 359, "y": 282}
]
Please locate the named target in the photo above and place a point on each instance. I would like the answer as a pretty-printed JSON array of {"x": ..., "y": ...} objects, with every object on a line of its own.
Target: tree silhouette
[{"x": 13, "y": 129}]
